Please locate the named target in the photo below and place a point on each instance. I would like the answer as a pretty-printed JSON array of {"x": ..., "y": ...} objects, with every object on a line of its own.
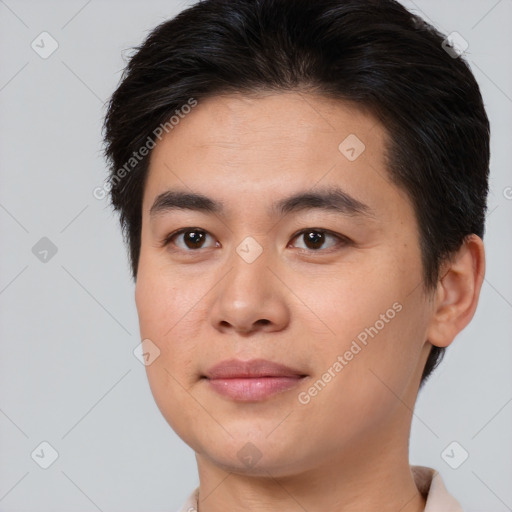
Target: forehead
[
  {"x": 262, "y": 145},
  {"x": 236, "y": 120}
]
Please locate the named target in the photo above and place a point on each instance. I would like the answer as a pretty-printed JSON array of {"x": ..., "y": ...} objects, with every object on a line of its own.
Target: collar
[{"x": 431, "y": 485}]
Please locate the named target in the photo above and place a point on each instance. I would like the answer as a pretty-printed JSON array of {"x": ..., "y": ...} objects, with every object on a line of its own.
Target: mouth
[{"x": 252, "y": 381}]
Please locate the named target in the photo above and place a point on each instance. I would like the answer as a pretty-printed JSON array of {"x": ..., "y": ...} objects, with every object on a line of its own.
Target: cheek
[
  {"x": 351, "y": 300},
  {"x": 164, "y": 301},
  {"x": 155, "y": 307},
  {"x": 372, "y": 379},
  {"x": 162, "y": 307},
  {"x": 376, "y": 325}
]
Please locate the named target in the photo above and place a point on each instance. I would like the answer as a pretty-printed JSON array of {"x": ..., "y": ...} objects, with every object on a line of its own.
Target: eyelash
[{"x": 342, "y": 240}]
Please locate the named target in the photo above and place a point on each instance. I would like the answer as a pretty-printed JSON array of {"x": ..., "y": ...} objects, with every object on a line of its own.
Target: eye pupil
[{"x": 315, "y": 237}]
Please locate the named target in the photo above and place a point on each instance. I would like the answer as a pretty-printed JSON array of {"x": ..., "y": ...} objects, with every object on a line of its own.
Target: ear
[{"x": 457, "y": 292}]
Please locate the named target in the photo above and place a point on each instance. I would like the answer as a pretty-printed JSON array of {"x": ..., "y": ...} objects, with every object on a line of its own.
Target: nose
[{"x": 250, "y": 298}]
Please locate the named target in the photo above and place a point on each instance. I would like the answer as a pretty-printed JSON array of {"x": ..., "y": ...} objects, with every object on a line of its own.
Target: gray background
[{"x": 68, "y": 326}]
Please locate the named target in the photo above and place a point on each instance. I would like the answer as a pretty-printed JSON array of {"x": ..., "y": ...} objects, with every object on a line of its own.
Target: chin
[{"x": 252, "y": 457}]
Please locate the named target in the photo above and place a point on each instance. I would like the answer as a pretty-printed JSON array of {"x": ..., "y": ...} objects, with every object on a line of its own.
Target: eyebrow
[{"x": 328, "y": 199}]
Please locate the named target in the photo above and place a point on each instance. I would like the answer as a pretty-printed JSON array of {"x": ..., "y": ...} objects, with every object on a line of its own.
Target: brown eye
[
  {"x": 190, "y": 238},
  {"x": 314, "y": 239},
  {"x": 193, "y": 239}
]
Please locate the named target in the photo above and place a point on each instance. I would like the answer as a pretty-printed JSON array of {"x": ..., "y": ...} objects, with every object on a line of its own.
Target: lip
[{"x": 252, "y": 381}]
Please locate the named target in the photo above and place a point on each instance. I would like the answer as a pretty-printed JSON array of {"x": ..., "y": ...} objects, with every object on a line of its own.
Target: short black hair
[{"x": 374, "y": 53}]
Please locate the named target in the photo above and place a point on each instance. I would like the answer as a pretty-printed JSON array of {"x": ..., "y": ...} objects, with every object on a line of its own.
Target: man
[{"x": 303, "y": 187}]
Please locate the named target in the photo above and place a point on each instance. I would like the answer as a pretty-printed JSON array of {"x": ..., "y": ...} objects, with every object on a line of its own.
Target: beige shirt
[{"x": 428, "y": 481}]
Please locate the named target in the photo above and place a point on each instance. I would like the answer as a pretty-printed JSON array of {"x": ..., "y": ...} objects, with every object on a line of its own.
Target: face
[{"x": 301, "y": 254}]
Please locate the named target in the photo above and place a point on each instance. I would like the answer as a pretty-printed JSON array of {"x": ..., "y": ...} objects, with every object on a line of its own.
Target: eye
[
  {"x": 314, "y": 238},
  {"x": 193, "y": 238}
]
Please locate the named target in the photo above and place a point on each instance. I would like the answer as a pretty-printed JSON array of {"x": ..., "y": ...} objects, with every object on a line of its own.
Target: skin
[{"x": 347, "y": 448}]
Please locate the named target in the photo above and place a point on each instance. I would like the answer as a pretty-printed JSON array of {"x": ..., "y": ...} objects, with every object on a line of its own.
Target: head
[{"x": 249, "y": 103}]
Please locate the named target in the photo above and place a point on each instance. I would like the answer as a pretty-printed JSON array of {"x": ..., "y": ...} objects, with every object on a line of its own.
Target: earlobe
[{"x": 457, "y": 293}]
